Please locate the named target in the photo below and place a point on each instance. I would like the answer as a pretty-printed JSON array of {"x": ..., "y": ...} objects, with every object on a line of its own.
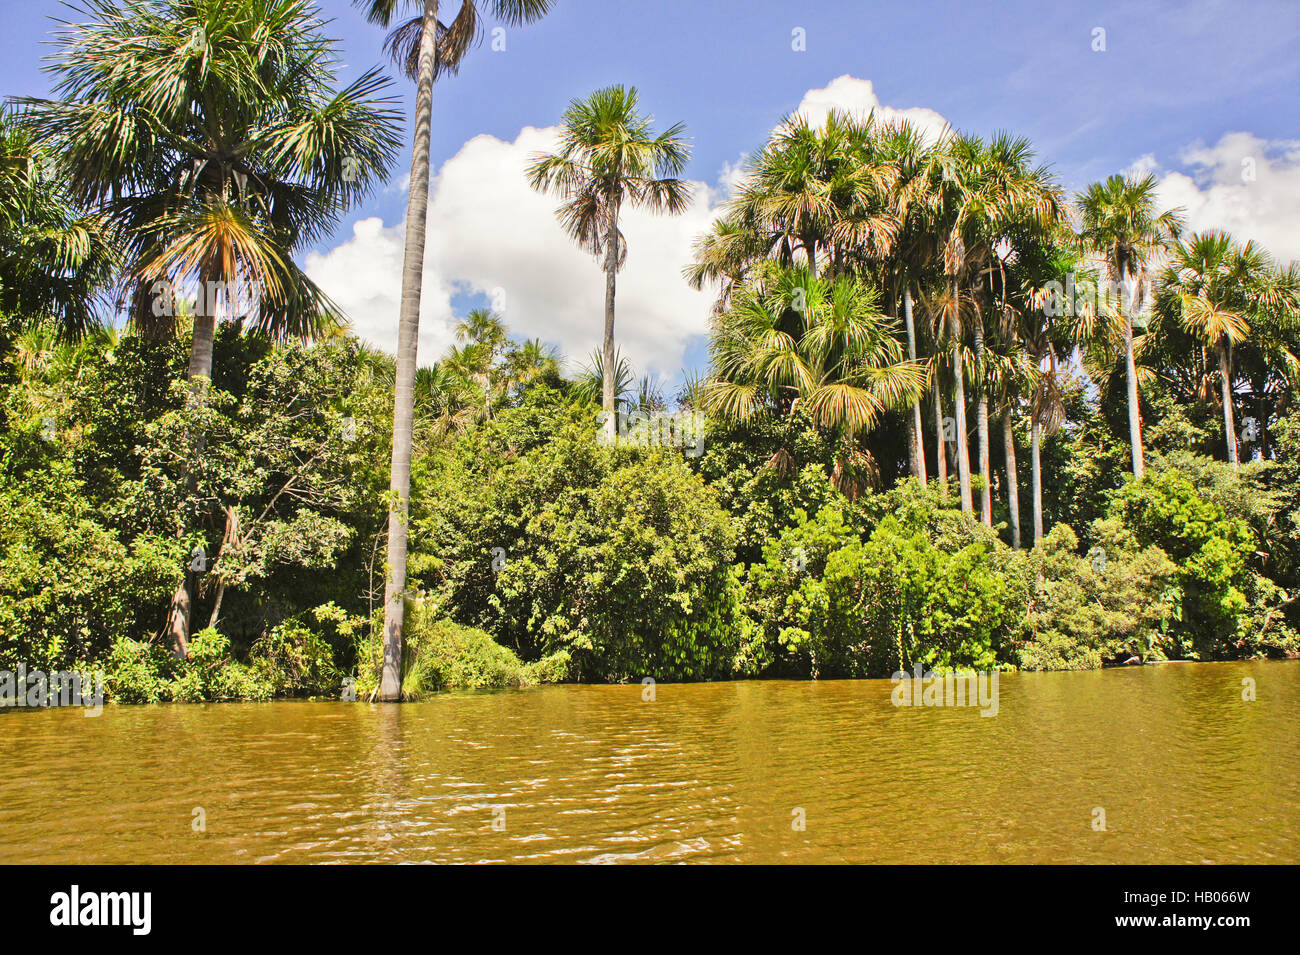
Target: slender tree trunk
[
  {"x": 1013, "y": 479},
  {"x": 608, "y": 397},
  {"x": 178, "y": 618},
  {"x": 205, "y": 329},
  {"x": 982, "y": 429},
  {"x": 1037, "y": 470},
  {"x": 918, "y": 433},
  {"x": 1229, "y": 417},
  {"x": 940, "y": 443},
  {"x": 408, "y": 336},
  {"x": 181, "y": 607},
  {"x": 959, "y": 414},
  {"x": 229, "y": 540},
  {"x": 1130, "y": 370}
]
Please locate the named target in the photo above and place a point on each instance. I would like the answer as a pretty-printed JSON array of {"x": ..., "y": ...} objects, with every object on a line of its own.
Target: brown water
[{"x": 1185, "y": 770}]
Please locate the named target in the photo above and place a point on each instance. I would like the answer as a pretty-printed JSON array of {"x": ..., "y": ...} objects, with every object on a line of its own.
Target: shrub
[
  {"x": 210, "y": 674},
  {"x": 620, "y": 557},
  {"x": 928, "y": 585},
  {"x": 1107, "y": 605},
  {"x": 439, "y": 654},
  {"x": 297, "y": 660}
]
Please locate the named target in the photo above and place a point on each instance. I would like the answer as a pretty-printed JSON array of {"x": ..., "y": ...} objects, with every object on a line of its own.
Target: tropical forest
[{"x": 953, "y": 414}]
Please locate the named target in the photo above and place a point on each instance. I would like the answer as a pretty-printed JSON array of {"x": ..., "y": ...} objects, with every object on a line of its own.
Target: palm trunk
[
  {"x": 205, "y": 328},
  {"x": 181, "y": 607},
  {"x": 1013, "y": 479},
  {"x": 1229, "y": 418},
  {"x": 608, "y": 397},
  {"x": 940, "y": 445},
  {"x": 918, "y": 434},
  {"x": 982, "y": 428},
  {"x": 1036, "y": 468},
  {"x": 959, "y": 414},
  {"x": 1130, "y": 370},
  {"x": 408, "y": 336}
]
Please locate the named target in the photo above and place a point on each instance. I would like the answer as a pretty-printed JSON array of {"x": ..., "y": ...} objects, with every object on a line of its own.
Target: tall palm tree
[
  {"x": 812, "y": 195},
  {"x": 610, "y": 158},
  {"x": 990, "y": 195},
  {"x": 910, "y": 203},
  {"x": 1120, "y": 223},
  {"x": 1216, "y": 288},
  {"x": 427, "y": 48},
  {"x": 211, "y": 137}
]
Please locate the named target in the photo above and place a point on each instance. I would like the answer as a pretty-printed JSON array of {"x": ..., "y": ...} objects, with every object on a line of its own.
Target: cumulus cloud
[
  {"x": 1242, "y": 184},
  {"x": 849, "y": 94},
  {"x": 489, "y": 233}
]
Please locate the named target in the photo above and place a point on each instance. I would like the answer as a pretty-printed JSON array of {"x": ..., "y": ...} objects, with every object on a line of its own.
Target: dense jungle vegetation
[{"x": 197, "y": 494}]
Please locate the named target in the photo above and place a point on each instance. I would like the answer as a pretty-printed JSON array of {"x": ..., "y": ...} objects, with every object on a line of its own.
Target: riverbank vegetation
[{"x": 202, "y": 507}]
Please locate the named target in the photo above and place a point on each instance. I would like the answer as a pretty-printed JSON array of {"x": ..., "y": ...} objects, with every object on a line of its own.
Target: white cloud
[
  {"x": 847, "y": 93},
  {"x": 1242, "y": 184},
  {"x": 489, "y": 230}
]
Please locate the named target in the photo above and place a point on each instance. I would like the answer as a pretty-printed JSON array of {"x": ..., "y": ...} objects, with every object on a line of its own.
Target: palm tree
[
  {"x": 55, "y": 259},
  {"x": 610, "y": 158},
  {"x": 1216, "y": 289},
  {"x": 910, "y": 196},
  {"x": 795, "y": 340},
  {"x": 990, "y": 195},
  {"x": 484, "y": 335},
  {"x": 211, "y": 138},
  {"x": 590, "y": 382},
  {"x": 529, "y": 362},
  {"x": 1119, "y": 223},
  {"x": 427, "y": 49},
  {"x": 819, "y": 196}
]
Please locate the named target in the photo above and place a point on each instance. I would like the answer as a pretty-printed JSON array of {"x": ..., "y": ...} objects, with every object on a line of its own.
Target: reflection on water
[{"x": 1185, "y": 770}]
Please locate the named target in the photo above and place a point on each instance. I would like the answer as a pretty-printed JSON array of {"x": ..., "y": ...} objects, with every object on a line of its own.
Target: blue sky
[{"x": 1173, "y": 78}]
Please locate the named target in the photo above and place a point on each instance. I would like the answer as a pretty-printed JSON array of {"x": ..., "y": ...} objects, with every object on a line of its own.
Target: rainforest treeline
[{"x": 952, "y": 416}]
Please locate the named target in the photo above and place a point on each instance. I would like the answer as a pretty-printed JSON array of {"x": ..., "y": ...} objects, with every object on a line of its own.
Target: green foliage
[
  {"x": 135, "y": 672},
  {"x": 925, "y": 584},
  {"x": 439, "y": 654},
  {"x": 539, "y": 555},
  {"x": 1107, "y": 605},
  {"x": 620, "y": 557},
  {"x": 297, "y": 660},
  {"x": 210, "y": 674},
  {"x": 69, "y": 588},
  {"x": 764, "y": 471},
  {"x": 1212, "y": 551}
]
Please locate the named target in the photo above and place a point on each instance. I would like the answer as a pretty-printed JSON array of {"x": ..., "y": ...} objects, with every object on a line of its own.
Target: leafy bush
[
  {"x": 621, "y": 557},
  {"x": 1211, "y": 550},
  {"x": 439, "y": 654},
  {"x": 210, "y": 674},
  {"x": 297, "y": 660},
  {"x": 928, "y": 585},
  {"x": 69, "y": 589},
  {"x": 1104, "y": 606}
]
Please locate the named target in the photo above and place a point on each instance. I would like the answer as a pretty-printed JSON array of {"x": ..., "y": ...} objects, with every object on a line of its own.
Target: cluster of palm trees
[
  {"x": 840, "y": 233},
  {"x": 485, "y": 369}
]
